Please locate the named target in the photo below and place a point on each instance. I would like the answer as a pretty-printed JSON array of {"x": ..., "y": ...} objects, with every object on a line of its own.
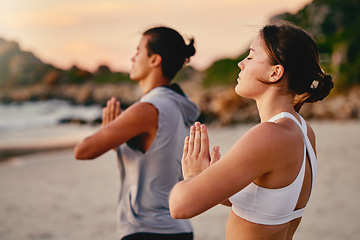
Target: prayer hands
[
  {"x": 111, "y": 111},
  {"x": 196, "y": 156}
]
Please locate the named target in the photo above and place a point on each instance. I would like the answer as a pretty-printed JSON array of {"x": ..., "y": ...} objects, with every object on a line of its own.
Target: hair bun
[
  {"x": 190, "y": 49},
  {"x": 320, "y": 87}
]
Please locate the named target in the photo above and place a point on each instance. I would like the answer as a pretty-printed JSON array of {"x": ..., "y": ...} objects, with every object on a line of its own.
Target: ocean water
[{"x": 18, "y": 116}]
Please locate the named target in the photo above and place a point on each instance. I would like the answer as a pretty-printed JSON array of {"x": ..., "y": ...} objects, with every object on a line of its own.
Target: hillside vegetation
[{"x": 334, "y": 24}]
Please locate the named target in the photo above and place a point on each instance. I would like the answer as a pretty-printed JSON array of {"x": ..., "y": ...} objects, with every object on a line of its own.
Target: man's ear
[
  {"x": 155, "y": 60},
  {"x": 277, "y": 73}
]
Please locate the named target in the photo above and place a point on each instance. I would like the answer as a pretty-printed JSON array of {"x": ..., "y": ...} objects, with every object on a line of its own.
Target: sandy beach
[{"x": 50, "y": 195}]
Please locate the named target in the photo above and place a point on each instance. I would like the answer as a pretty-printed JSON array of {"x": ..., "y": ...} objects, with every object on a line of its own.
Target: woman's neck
[{"x": 272, "y": 104}]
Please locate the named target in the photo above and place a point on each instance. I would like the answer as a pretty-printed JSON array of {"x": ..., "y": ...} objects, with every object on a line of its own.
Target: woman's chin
[{"x": 237, "y": 89}]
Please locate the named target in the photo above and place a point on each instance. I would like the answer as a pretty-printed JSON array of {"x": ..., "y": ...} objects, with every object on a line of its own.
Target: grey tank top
[{"x": 147, "y": 178}]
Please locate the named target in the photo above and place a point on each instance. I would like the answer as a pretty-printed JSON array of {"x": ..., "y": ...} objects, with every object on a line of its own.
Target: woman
[
  {"x": 148, "y": 137},
  {"x": 267, "y": 176}
]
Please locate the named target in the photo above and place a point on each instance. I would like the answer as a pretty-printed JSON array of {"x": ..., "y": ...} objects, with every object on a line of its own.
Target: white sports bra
[{"x": 275, "y": 206}]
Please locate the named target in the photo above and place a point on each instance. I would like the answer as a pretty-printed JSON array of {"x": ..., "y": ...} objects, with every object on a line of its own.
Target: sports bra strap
[
  {"x": 286, "y": 115},
  {"x": 309, "y": 148},
  {"x": 310, "y": 153}
]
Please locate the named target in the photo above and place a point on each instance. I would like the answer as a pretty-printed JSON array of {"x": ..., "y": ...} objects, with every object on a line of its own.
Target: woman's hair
[
  {"x": 170, "y": 45},
  {"x": 298, "y": 53}
]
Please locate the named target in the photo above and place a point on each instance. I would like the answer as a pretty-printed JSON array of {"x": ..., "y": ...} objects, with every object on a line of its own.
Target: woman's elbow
[{"x": 178, "y": 210}]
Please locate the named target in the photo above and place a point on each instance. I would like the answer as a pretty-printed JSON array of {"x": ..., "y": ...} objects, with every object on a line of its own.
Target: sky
[{"x": 89, "y": 33}]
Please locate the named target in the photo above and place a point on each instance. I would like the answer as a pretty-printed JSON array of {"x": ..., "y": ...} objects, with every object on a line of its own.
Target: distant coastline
[{"x": 218, "y": 104}]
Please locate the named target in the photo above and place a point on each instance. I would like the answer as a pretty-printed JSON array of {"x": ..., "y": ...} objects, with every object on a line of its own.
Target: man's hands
[
  {"x": 196, "y": 156},
  {"x": 111, "y": 111}
]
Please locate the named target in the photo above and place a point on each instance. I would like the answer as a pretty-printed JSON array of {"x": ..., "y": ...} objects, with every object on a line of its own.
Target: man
[{"x": 148, "y": 137}]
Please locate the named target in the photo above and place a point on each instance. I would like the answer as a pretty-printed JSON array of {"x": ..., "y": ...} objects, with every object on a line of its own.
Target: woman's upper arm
[
  {"x": 244, "y": 163},
  {"x": 137, "y": 119}
]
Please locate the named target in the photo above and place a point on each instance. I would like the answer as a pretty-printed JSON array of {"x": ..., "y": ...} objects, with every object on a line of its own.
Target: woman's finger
[
  {"x": 186, "y": 147},
  {"x": 204, "y": 141},
  {"x": 215, "y": 155},
  {"x": 191, "y": 140},
  {"x": 197, "y": 140}
]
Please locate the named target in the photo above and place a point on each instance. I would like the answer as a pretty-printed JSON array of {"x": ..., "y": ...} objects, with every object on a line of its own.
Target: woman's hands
[
  {"x": 190, "y": 197},
  {"x": 196, "y": 156},
  {"x": 111, "y": 111}
]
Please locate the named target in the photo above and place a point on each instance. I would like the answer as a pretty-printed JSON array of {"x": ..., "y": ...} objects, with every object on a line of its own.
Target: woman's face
[{"x": 255, "y": 70}]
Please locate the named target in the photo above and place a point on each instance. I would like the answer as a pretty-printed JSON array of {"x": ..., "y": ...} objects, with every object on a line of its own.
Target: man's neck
[{"x": 152, "y": 82}]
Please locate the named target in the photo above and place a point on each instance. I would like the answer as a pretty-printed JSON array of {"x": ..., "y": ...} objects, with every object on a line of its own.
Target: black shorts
[{"x": 157, "y": 236}]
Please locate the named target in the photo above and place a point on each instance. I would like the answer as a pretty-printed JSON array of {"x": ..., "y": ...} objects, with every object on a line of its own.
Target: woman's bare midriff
[{"x": 241, "y": 229}]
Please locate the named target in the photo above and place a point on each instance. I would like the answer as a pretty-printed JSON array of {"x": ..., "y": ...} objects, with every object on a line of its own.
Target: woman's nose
[{"x": 241, "y": 64}]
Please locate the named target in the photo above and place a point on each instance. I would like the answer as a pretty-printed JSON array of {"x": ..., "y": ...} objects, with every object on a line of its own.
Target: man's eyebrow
[{"x": 251, "y": 49}]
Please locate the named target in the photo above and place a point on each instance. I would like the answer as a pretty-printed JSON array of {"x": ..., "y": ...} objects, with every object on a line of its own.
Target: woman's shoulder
[
  {"x": 260, "y": 150},
  {"x": 268, "y": 130},
  {"x": 271, "y": 137}
]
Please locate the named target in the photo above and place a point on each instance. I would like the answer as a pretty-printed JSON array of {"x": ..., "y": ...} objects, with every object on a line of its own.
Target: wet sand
[{"x": 50, "y": 195}]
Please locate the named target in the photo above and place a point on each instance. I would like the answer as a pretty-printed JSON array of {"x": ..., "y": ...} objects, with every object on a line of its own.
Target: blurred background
[
  {"x": 61, "y": 60},
  {"x": 78, "y": 52}
]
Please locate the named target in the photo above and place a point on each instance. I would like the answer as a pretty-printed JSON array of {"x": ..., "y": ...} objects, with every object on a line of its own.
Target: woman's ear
[
  {"x": 277, "y": 73},
  {"x": 155, "y": 60}
]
